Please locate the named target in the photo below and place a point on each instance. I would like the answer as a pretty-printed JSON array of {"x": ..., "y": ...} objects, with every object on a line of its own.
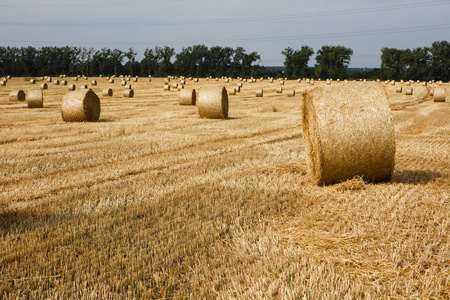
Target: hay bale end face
[
  {"x": 439, "y": 95},
  {"x": 213, "y": 103},
  {"x": 188, "y": 97},
  {"x": 17, "y": 96},
  {"x": 81, "y": 106},
  {"x": 35, "y": 99},
  {"x": 108, "y": 92},
  {"x": 348, "y": 132}
]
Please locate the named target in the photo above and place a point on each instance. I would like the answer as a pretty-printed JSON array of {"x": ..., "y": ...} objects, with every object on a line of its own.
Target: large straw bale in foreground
[
  {"x": 188, "y": 97},
  {"x": 35, "y": 99},
  {"x": 439, "y": 95},
  {"x": 213, "y": 103},
  {"x": 81, "y": 106},
  {"x": 348, "y": 132}
]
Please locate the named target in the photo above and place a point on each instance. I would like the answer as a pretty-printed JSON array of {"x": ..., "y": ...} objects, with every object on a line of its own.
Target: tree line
[{"x": 423, "y": 63}]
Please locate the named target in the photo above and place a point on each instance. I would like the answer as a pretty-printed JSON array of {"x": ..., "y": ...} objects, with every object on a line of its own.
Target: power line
[
  {"x": 121, "y": 2},
  {"x": 234, "y": 20},
  {"x": 247, "y": 40}
]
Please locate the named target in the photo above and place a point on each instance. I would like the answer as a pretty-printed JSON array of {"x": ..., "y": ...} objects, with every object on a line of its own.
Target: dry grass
[{"x": 155, "y": 202}]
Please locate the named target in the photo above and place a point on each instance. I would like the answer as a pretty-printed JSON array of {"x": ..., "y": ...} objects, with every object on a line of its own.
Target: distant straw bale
[
  {"x": 35, "y": 99},
  {"x": 81, "y": 106},
  {"x": 348, "y": 132},
  {"x": 439, "y": 95},
  {"x": 409, "y": 91},
  {"x": 44, "y": 86},
  {"x": 72, "y": 87},
  {"x": 188, "y": 97},
  {"x": 18, "y": 95},
  {"x": 128, "y": 93},
  {"x": 259, "y": 93},
  {"x": 291, "y": 93},
  {"x": 107, "y": 92}
]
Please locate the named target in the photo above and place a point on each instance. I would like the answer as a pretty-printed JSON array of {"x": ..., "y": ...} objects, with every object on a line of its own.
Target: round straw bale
[
  {"x": 439, "y": 95},
  {"x": 17, "y": 96},
  {"x": 180, "y": 87},
  {"x": 167, "y": 87},
  {"x": 328, "y": 82},
  {"x": 279, "y": 90},
  {"x": 282, "y": 82},
  {"x": 111, "y": 80},
  {"x": 398, "y": 89},
  {"x": 271, "y": 80},
  {"x": 49, "y": 79},
  {"x": 259, "y": 92},
  {"x": 72, "y": 87},
  {"x": 35, "y": 99},
  {"x": 232, "y": 91},
  {"x": 129, "y": 93},
  {"x": 195, "y": 79},
  {"x": 409, "y": 91},
  {"x": 213, "y": 103},
  {"x": 238, "y": 89},
  {"x": 135, "y": 79},
  {"x": 2, "y": 83},
  {"x": 44, "y": 86},
  {"x": 239, "y": 84},
  {"x": 8, "y": 77},
  {"x": 348, "y": 131},
  {"x": 32, "y": 81},
  {"x": 128, "y": 86},
  {"x": 183, "y": 81},
  {"x": 227, "y": 80},
  {"x": 188, "y": 97},
  {"x": 64, "y": 82},
  {"x": 175, "y": 85},
  {"x": 75, "y": 79},
  {"x": 56, "y": 82},
  {"x": 84, "y": 87},
  {"x": 81, "y": 106},
  {"x": 107, "y": 92},
  {"x": 94, "y": 82},
  {"x": 123, "y": 83},
  {"x": 291, "y": 93}
]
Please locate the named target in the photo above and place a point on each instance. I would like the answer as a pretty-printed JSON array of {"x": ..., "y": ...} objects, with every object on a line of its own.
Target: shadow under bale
[{"x": 415, "y": 176}]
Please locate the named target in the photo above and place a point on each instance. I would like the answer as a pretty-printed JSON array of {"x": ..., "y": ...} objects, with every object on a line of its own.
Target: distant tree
[
  {"x": 332, "y": 61},
  {"x": 419, "y": 62},
  {"x": 440, "y": 60},
  {"x": 131, "y": 55},
  {"x": 296, "y": 61},
  {"x": 395, "y": 63},
  {"x": 163, "y": 57}
]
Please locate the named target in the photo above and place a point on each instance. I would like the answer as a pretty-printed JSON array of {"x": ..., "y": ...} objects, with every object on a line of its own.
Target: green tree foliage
[
  {"x": 296, "y": 61},
  {"x": 332, "y": 61},
  {"x": 440, "y": 60}
]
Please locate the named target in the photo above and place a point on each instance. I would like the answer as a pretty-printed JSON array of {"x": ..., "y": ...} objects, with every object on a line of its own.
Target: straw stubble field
[{"x": 154, "y": 202}]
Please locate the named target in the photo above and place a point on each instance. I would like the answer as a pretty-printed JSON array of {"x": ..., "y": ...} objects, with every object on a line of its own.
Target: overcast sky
[{"x": 266, "y": 27}]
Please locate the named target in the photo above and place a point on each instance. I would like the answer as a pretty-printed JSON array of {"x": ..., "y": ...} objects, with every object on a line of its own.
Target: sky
[{"x": 267, "y": 27}]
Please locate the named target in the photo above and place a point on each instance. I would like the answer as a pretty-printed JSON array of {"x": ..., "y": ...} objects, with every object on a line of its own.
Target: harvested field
[{"x": 154, "y": 202}]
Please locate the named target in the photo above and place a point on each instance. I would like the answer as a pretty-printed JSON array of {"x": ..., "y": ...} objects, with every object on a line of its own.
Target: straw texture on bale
[
  {"x": 259, "y": 93},
  {"x": 81, "y": 106},
  {"x": 439, "y": 95},
  {"x": 129, "y": 93},
  {"x": 409, "y": 91},
  {"x": 44, "y": 86},
  {"x": 17, "y": 96},
  {"x": 35, "y": 99},
  {"x": 348, "y": 132},
  {"x": 72, "y": 87},
  {"x": 108, "y": 92},
  {"x": 213, "y": 103},
  {"x": 188, "y": 97}
]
